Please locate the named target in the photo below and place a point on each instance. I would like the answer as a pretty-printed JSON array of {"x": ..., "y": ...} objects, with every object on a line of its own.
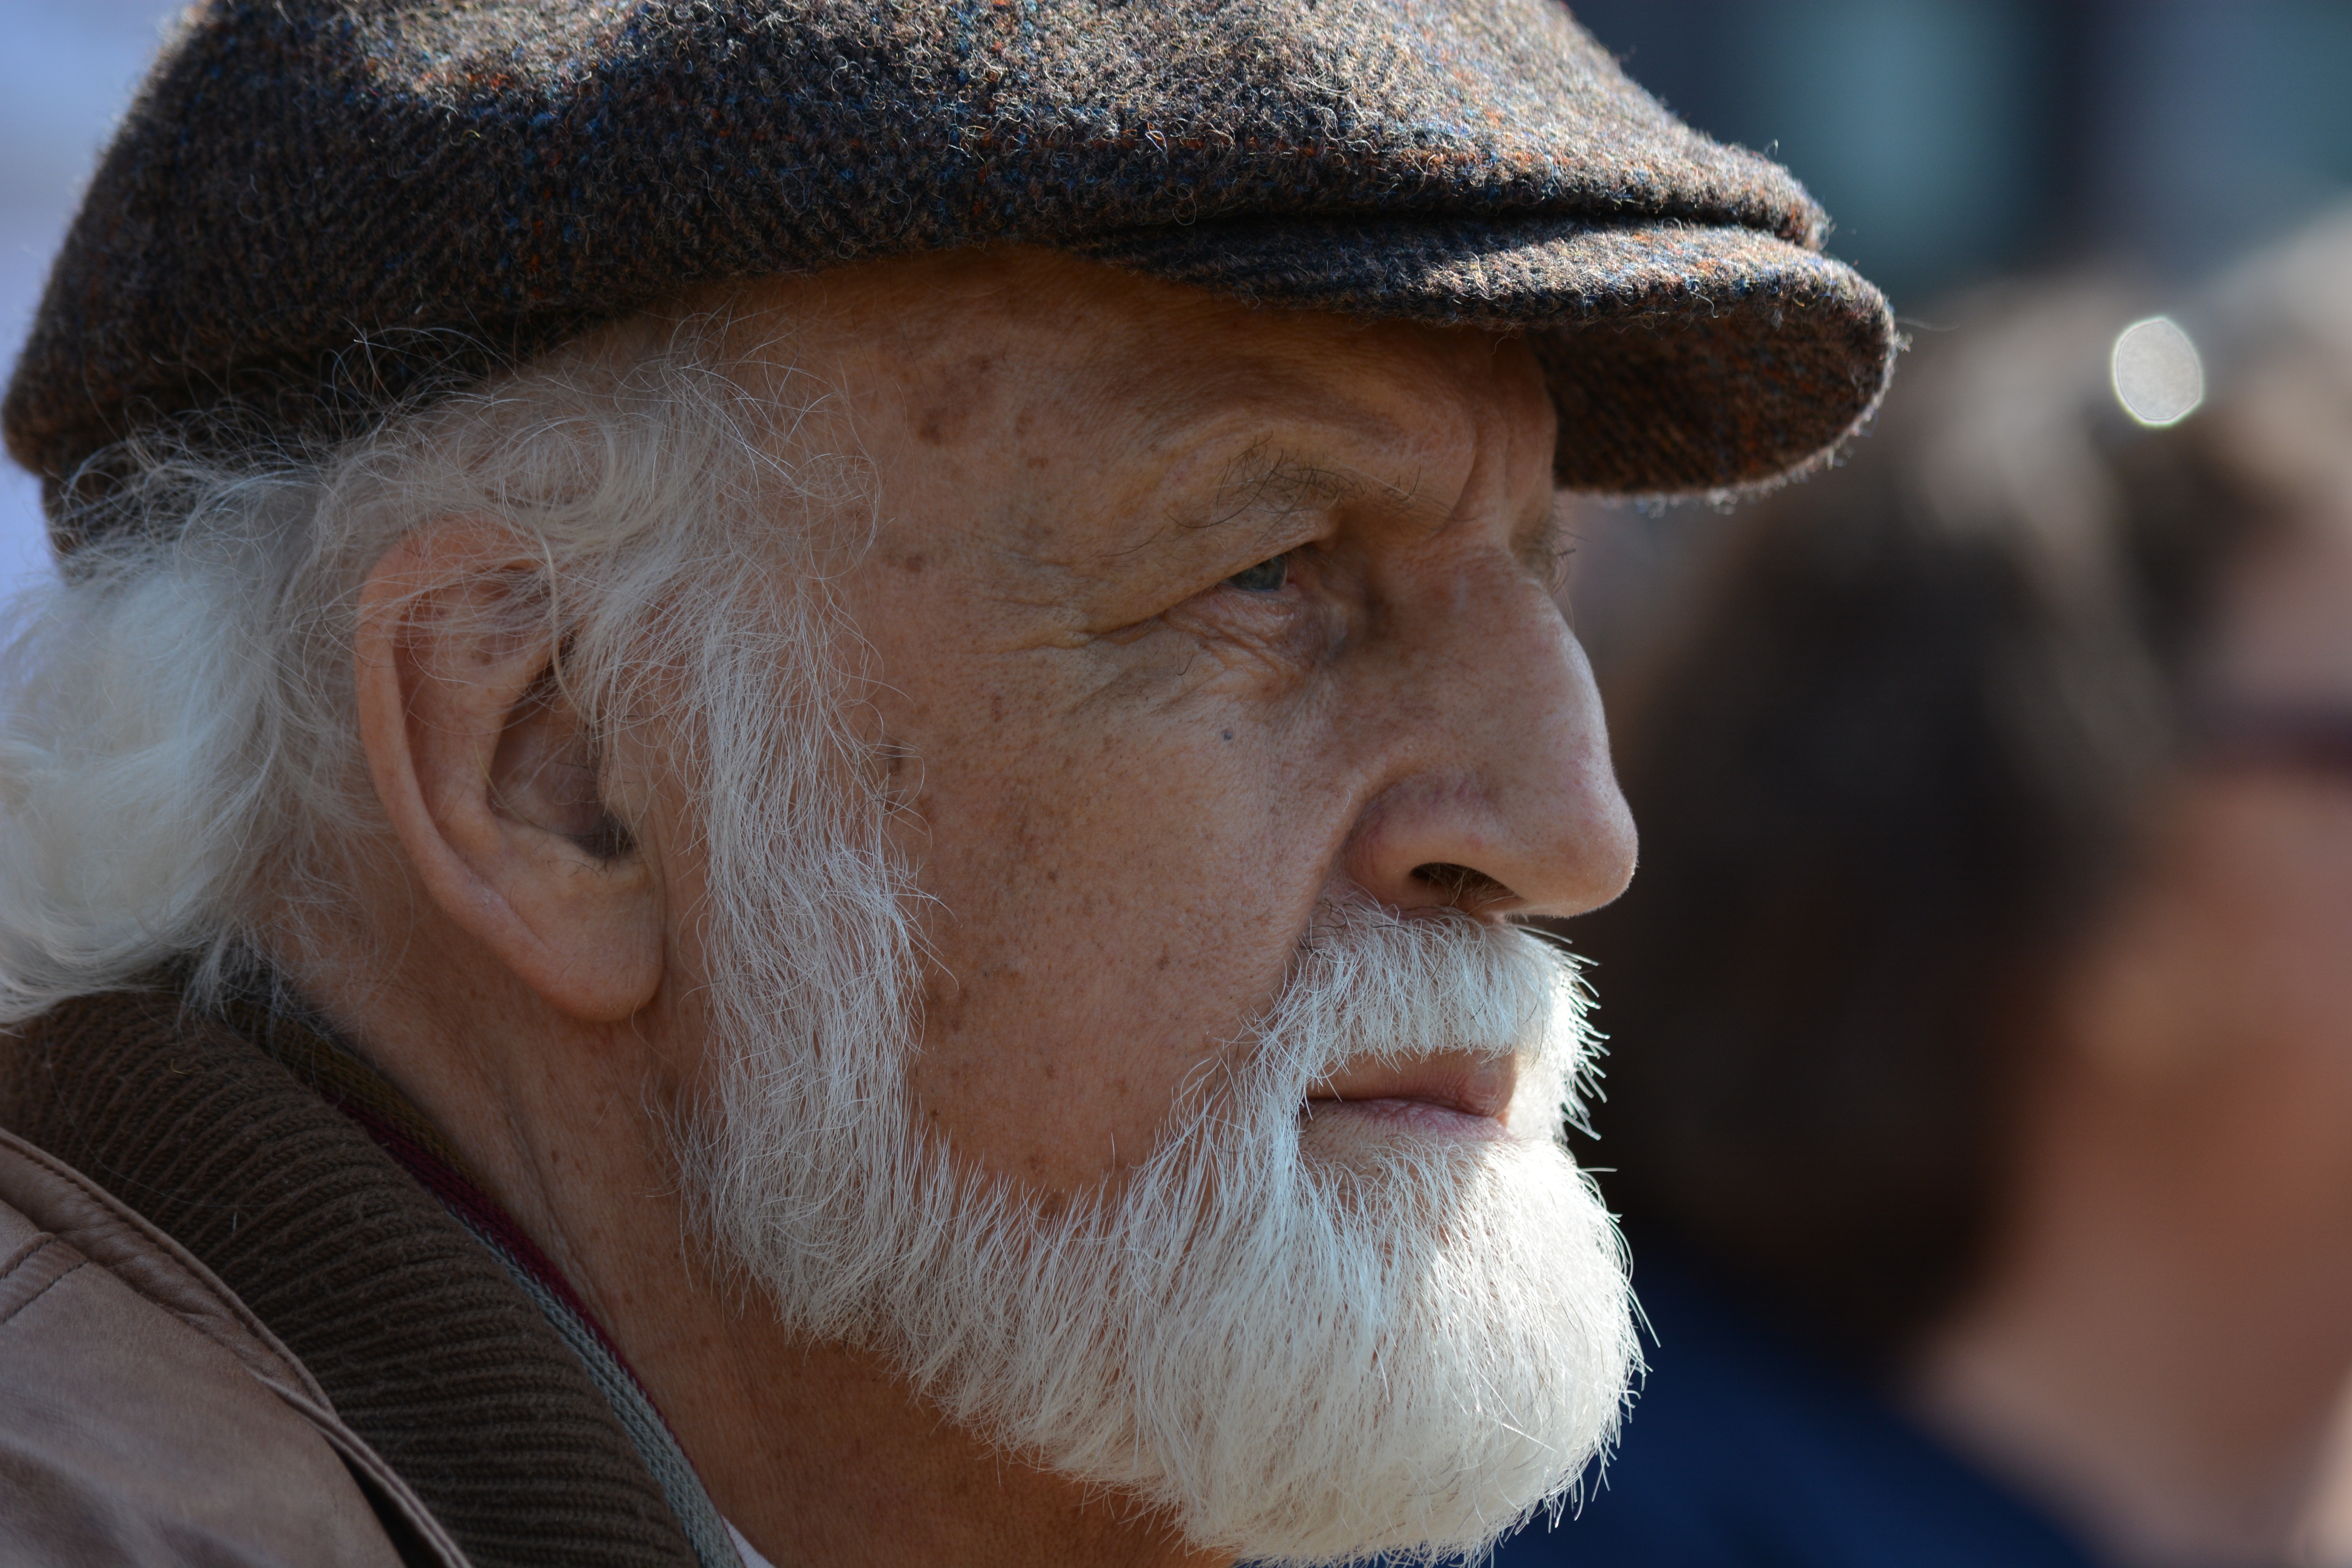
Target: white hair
[
  {"x": 1292, "y": 1348},
  {"x": 1296, "y": 1350},
  {"x": 180, "y": 776}
]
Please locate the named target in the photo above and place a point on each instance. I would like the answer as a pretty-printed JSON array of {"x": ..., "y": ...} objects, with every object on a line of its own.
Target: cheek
[
  {"x": 1112, "y": 908},
  {"x": 2277, "y": 979},
  {"x": 2297, "y": 988},
  {"x": 2289, "y": 897}
]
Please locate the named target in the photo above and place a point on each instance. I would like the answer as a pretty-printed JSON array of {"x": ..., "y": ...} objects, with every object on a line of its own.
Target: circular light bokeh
[{"x": 2158, "y": 378}]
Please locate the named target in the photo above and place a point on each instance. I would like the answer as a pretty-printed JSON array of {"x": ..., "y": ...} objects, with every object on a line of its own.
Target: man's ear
[{"x": 489, "y": 778}]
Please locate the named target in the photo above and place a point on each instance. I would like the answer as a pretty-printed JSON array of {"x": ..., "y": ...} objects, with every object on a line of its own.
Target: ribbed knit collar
[
  {"x": 345, "y": 1081},
  {"x": 440, "y": 1333}
]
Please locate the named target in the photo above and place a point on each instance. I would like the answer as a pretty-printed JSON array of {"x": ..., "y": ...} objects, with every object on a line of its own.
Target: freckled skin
[
  {"x": 1127, "y": 783},
  {"x": 1137, "y": 780}
]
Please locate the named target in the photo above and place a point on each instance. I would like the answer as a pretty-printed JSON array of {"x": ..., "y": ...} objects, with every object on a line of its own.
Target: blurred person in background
[{"x": 1980, "y": 1104}]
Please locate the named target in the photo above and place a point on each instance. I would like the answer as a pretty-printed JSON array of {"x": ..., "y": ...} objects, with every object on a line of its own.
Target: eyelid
[
  {"x": 1300, "y": 534},
  {"x": 1281, "y": 561},
  {"x": 1275, "y": 541},
  {"x": 1295, "y": 557}
]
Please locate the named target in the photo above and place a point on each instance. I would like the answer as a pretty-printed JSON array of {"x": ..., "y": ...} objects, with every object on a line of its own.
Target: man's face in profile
[{"x": 1202, "y": 1139}]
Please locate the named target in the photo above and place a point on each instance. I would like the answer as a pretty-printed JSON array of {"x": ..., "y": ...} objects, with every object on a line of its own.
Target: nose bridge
[
  {"x": 1500, "y": 766},
  {"x": 1532, "y": 729}
]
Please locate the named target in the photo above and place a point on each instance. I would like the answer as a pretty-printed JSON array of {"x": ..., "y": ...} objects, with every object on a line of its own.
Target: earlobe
[{"x": 489, "y": 779}]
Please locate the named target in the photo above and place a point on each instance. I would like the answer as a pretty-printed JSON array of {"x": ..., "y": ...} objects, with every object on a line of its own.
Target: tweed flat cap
[{"x": 315, "y": 208}]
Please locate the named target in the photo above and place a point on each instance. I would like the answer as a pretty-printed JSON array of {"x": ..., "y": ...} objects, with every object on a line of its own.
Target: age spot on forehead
[{"x": 954, "y": 398}]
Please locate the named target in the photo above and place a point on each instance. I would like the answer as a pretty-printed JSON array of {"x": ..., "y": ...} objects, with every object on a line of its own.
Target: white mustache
[{"x": 1374, "y": 987}]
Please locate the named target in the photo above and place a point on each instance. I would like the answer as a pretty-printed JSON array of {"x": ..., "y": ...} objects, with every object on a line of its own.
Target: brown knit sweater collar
[{"x": 424, "y": 1342}]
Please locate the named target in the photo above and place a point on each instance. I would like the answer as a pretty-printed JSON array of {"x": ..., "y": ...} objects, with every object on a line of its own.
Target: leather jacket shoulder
[{"x": 148, "y": 1417}]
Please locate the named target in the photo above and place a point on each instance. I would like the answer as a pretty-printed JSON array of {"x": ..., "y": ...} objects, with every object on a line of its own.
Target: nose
[{"x": 1500, "y": 796}]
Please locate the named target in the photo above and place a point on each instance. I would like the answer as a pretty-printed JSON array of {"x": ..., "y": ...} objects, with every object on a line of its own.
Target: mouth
[{"x": 1454, "y": 1096}]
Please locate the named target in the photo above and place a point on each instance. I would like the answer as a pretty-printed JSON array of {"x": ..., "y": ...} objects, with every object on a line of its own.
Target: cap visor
[{"x": 1684, "y": 359}]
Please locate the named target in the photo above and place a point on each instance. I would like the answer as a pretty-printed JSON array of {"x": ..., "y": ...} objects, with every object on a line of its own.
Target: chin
[
  {"x": 1419, "y": 1338},
  {"x": 1390, "y": 1328}
]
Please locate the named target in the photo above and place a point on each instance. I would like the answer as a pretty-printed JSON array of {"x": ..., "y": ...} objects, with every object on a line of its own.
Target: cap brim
[{"x": 1684, "y": 359}]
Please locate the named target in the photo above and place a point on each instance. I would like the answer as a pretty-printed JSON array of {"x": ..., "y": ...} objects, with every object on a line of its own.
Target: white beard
[{"x": 1298, "y": 1347}]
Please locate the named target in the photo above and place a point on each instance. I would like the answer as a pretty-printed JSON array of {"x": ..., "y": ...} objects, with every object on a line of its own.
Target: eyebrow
[
  {"x": 1268, "y": 482},
  {"x": 1264, "y": 478}
]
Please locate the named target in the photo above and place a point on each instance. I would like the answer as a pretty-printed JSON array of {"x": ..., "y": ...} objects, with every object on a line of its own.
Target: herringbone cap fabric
[{"x": 316, "y": 207}]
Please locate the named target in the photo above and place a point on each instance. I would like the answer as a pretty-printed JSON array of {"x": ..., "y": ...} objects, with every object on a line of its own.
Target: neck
[
  {"x": 2156, "y": 1351},
  {"x": 818, "y": 1453}
]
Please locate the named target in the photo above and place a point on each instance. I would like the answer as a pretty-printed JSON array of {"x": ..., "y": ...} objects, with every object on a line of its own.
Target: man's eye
[{"x": 1264, "y": 577}]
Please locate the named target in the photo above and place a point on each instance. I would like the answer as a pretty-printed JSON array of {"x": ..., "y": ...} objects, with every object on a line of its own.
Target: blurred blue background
[
  {"x": 1950, "y": 139},
  {"x": 67, "y": 70},
  {"x": 1955, "y": 138}
]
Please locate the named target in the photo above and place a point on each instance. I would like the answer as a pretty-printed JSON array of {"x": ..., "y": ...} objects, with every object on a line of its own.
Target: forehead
[{"x": 990, "y": 347}]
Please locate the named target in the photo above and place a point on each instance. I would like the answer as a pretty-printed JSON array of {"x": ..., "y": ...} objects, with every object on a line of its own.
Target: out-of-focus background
[
  {"x": 1950, "y": 139},
  {"x": 1955, "y": 141}
]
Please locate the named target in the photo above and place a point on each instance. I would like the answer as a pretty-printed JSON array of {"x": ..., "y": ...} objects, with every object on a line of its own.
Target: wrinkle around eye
[
  {"x": 1545, "y": 544},
  {"x": 1172, "y": 657},
  {"x": 1287, "y": 621},
  {"x": 1281, "y": 628}
]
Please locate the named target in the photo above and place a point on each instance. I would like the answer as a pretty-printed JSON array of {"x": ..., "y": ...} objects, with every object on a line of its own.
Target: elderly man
[{"x": 775, "y": 807}]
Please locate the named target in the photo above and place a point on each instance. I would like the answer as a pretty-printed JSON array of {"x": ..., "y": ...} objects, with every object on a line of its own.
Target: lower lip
[{"x": 1417, "y": 1117}]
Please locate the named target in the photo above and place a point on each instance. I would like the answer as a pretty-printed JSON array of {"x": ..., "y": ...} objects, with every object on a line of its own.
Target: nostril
[{"x": 1464, "y": 886}]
